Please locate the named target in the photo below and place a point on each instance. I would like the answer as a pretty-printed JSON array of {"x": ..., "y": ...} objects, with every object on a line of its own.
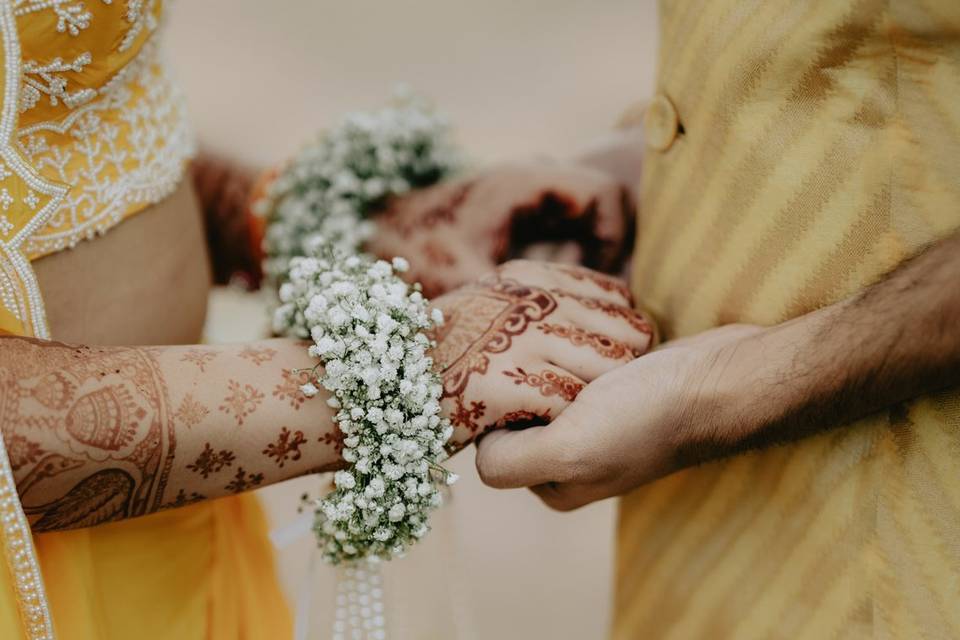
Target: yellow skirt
[{"x": 203, "y": 571}]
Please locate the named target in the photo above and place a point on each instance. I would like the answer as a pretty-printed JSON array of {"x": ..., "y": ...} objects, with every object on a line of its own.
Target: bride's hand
[
  {"x": 457, "y": 229},
  {"x": 518, "y": 346}
]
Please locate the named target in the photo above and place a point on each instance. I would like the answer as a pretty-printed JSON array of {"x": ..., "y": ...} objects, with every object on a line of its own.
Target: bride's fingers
[
  {"x": 511, "y": 396},
  {"x": 592, "y": 342},
  {"x": 617, "y": 320},
  {"x": 586, "y": 354},
  {"x": 569, "y": 278},
  {"x": 529, "y": 394},
  {"x": 597, "y": 285},
  {"x": 535, "y": 387}
]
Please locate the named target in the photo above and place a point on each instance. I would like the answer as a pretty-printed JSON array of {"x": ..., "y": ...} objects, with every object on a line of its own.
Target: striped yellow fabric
[{"x": 818, "y": 146}]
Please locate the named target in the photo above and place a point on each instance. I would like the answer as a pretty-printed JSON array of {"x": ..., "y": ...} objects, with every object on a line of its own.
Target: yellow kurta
[
  {"x": 799, "y": 150},
  {"x": 92, "y": 131}
]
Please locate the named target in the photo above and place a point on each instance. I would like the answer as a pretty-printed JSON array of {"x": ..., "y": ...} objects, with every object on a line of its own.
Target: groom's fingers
[
  {"x": 554, "y": 453},
  {"x": 569, "y": 496},
  {"x": 514, "y": 459},
  {"x": 559, "y": 497}
]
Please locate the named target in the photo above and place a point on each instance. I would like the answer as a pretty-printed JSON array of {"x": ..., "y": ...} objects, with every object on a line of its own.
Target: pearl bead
[{"x": 359, "y": 606}]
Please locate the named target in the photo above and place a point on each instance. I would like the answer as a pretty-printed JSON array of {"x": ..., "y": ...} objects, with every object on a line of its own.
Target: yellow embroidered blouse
[
  {"x": 92, "y": 131},
  {"x": 798, "y": 150}
]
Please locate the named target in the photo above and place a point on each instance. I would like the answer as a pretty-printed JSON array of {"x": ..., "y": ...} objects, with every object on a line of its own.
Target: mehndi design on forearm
[
  {"x": 241, "y": 401},
  {"x": 287, "y": 446},
  {"x": 333, "y": 438},
  {"x": 244, "y": 481},
  {"x": 210, "y": 461},
  {"x": 96, "y": 435},
  {"x": 258, "y": 356},
  {"x": 289, "y": 388},
  {"x": 191, "y": 412},
  {"x": 182, "y": 500},
  {"x": 63, "y": 408},
  {"x": 199, "y": 357}
]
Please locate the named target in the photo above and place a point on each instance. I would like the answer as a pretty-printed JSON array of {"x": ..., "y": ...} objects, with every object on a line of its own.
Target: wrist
[
  {"x": 756, "y": 387},
  {"x": 738, "y": 389}
]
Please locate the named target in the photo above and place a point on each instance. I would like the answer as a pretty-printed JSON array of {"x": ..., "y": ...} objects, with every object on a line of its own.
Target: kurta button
[{"x": 660, "y": 123}]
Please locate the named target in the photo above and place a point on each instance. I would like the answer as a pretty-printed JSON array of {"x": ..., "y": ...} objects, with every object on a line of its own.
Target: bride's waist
[{"x": 144, "y": 282}]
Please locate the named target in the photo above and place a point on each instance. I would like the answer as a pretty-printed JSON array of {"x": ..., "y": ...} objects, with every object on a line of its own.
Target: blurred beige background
[{"x": 518, "y": 78}]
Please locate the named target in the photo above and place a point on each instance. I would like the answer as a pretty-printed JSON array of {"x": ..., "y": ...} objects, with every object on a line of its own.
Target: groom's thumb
[{"x": 513, "y": 459}]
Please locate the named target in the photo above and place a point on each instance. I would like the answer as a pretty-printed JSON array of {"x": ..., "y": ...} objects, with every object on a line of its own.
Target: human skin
[
  {"x": 742, "y": 387},
  {"x": 219, "y": 420},
  {"x": 101, "y": 433},
  {"x": 566, "y": 211},
  {"x": 578, "y": 212}
]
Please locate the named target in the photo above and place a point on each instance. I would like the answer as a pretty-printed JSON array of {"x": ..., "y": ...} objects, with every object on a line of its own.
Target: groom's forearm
[
  {"x": 96, "y": 434},
  {"x": 898, "y": 339}
]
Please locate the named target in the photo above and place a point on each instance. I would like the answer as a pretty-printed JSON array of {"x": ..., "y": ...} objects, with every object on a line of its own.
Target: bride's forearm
[{"x": 96, "y": 434}]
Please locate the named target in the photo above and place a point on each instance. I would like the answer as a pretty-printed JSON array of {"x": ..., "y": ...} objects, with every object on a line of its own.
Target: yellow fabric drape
[
  {"x": 815, "y": 145},
  {"x": 205, "y": 571}
]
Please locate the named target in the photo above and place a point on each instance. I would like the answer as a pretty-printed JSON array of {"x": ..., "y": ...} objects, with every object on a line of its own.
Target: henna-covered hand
[
  {"x": 455, "y": 230},
  {"x": 501, "y": 367}
]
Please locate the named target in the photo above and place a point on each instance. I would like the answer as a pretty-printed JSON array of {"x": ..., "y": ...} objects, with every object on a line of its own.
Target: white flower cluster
[
  {"x": 334, "y": 183},
  {"x": 367, "y": 327}
]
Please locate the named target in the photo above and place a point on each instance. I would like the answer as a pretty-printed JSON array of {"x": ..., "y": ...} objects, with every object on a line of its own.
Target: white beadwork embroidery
[
  {"x": 140, "y": 17},
  {"x": 73, "y": 17},
  {"x": 18, "y": 289},
  {"x": 113, "y": 167},
  {"x": 39, "y": 79}
]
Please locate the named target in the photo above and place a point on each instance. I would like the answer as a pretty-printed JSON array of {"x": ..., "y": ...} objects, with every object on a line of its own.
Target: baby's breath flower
[
  {"x": 368, "y": 330},
  {"x": 347, "y": 172},
  {"x": 367, "y": 326}
]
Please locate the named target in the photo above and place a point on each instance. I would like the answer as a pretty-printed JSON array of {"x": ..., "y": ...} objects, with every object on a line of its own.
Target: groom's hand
[
  {"x": 740, "y": 387},
  {"x": 457, "y": 229},
  {"x": 630, "y": 426},
  {"x": 517, "y": 346}
]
